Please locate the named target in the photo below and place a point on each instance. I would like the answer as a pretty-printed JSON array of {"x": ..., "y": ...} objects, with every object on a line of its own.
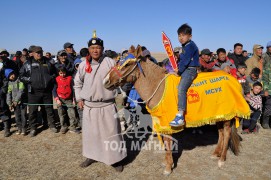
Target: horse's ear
[
  {"x": 138, "y": 51},
  {"x": 132, "y": 49}
]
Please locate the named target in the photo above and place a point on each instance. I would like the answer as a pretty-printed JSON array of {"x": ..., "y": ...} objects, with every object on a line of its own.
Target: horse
[{"x": 149, "y": 81}]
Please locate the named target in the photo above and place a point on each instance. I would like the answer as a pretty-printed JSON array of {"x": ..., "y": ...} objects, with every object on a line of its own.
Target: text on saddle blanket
[{"x": 212, "y": 97}]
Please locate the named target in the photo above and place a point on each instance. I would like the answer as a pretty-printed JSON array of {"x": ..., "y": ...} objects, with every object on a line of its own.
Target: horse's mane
[{"x": 155, "y": 66}]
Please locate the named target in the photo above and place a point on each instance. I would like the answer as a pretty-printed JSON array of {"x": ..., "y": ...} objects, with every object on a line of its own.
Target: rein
[{"x": 146, "y": 101}]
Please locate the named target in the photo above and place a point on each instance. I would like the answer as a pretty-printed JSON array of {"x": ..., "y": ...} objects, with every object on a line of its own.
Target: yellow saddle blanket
[{"x": 212, "y": 97}]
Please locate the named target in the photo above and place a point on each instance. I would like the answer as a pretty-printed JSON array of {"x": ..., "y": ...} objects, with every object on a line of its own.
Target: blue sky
[{"x": 121, "y": 23}]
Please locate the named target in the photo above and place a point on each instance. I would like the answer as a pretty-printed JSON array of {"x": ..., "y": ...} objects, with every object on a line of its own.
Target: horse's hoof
[
  {"x": 167, "y": 173},
  {"x": 163, "y": 164},
  {"x": 220, "y": 163}
]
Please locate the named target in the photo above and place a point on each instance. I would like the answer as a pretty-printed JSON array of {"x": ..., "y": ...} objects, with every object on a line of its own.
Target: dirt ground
[{"x": 57, "y": 156}]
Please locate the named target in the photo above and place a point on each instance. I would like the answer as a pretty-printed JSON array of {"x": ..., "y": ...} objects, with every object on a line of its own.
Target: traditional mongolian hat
[{"x": 95, "y": 40}]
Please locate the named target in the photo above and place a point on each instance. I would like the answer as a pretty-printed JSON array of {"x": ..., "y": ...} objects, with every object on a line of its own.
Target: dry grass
[{"x": 57, "y": 156}]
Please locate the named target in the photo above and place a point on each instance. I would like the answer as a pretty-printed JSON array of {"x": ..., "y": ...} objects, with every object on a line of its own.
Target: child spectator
[
  {"x": 241, "y": 77},
  {"x": 63, "y": 95},
  {"x": 187, "y": 69},
  {"x": 254, "y": 76},
  {"x": 16, "y": 97},
  {"x": 223, "y": 59},
  {"x": 255, "y": 103}
]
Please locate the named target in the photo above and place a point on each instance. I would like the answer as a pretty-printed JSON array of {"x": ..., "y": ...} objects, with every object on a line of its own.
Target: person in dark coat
[
  {"x": 237, "y": 55},
  {"x": 39, "y": 76}
]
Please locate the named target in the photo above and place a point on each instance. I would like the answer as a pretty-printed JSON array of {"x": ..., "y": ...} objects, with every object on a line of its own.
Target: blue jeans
[
  {"x": 251, "y": 123},
  {"x": 187, "y": 78}
]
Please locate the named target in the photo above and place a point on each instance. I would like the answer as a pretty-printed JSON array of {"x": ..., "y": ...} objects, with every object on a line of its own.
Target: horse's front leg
[
  {"x": 227, "y": 134},
  {"x": 219, "y": 146},
  {"x": 168, "y": 159}
]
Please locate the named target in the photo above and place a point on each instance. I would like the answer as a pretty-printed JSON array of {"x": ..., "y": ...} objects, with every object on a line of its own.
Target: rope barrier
[
  {"x": 122, "y": 92},
  {"x": 68, "y": 105}
]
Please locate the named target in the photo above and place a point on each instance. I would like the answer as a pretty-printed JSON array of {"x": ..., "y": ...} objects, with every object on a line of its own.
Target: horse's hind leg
[
  {"x": 168, "y": 158},
  {"x": 227, "y": 134},
  {"x": 219, "y": 146}
]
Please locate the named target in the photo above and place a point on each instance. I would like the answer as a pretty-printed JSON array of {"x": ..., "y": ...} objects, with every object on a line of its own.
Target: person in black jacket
[
  {"x": 237, "y": 55},
  {"x": 42, "y": 108},
  {"x": 39, "y": 75}
]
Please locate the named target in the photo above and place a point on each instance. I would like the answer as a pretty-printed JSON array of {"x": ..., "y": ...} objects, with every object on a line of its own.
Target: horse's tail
[{"x": 234, "y": 143}]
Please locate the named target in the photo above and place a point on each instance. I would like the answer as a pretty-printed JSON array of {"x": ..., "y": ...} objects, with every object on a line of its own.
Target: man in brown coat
[{"x": 255, "y": 60}]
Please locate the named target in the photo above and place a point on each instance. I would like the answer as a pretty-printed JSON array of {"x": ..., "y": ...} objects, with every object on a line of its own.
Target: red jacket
[
  {"x": 63, "y": 87},
  {"x": 205, "y": 65}
]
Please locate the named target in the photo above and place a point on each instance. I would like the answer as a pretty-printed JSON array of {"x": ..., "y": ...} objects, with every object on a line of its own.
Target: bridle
[{"x": 116, "y": 70}]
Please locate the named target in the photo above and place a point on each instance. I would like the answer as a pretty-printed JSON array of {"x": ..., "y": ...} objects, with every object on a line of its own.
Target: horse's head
[{"x": 125, "y": 72}]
